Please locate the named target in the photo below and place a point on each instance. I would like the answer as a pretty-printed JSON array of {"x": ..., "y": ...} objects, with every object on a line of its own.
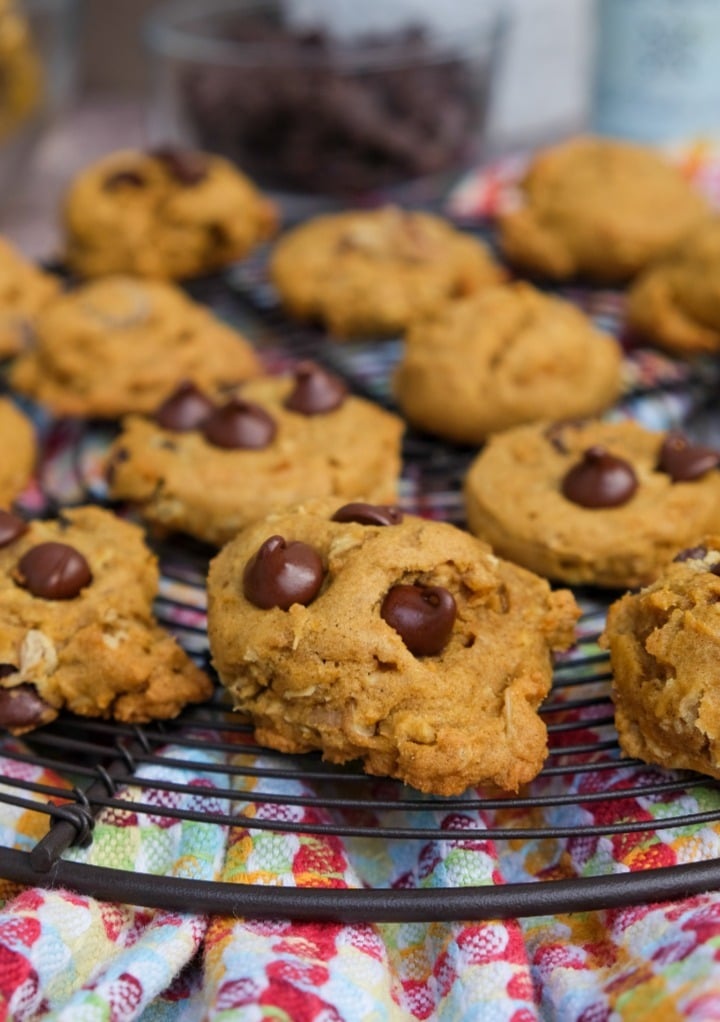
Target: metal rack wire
[{"x": 107, "y": 766}]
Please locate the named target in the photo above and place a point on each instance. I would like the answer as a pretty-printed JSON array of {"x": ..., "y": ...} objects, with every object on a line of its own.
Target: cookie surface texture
[
  {"x": 676, "y": 302},
  {"x": 598, "y": 208},
  {"x": 504, "y": 356},
  {"x": 121, "y": 345},
  {"x": 370, "y": 273},
  {"x": 78, "y": 630},
  {"x": 664, "y": 644},
  {"x": 169, "y": 214},
  {"x": 515, "y": 501},
  {"x": 24, "y": 291},
  {"x": 335, "y": 675},
  {"x": 181, "y": 481},
  {"x": 18, "y": 437}
]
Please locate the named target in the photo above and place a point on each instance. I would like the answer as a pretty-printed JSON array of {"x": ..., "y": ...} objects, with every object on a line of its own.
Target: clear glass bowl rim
[{"x": 164, "y": 36}]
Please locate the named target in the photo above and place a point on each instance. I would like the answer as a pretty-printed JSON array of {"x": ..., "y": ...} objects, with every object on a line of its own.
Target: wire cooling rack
[{"x": 588, "y": 800}]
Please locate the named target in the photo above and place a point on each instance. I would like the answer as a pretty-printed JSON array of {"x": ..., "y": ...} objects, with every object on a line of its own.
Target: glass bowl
[
  {"x": 36, "y": 72},
  {"x": 327, "y": 98}
]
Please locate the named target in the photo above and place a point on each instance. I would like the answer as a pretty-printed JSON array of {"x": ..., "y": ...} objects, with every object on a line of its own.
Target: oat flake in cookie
[
  {"x": 599, "y": 503},
  {"x": 77, "y": 630},
  {"x": 207, "y": 468},
  {"x": 166, "y": 213},
  {"x": 401, "y": 642},
  {"x": 664, "y": 644}
]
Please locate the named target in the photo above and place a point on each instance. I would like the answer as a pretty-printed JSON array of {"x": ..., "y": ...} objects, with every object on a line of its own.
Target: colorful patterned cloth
[{"x": 72, "y": 958}]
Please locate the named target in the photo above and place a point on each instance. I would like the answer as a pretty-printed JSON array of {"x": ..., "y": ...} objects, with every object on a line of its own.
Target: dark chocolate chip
[
  {"x": 368, "y": 514},
  {"x": 283, "y": 573},
  {"x": 11, "y": 528},
  {"x": 600, "y": 480},
  {"x": 185, "y": 409},
  {"x": 53, "y": 571},
  {"x": 423, "y": 616},
  {"x": 316, "y": 391},
  {"x": 715, "y": 570},
  {"x": 21, "y": 708},
  {"x": 693, "y": 553},
  {"x": 684, "y": 461},
  {"x": 7, "y": 669},
  {"x": 124, "y": 179},
  {"x": 239, "y": 424},
  {"x": 186, "y": 166}
]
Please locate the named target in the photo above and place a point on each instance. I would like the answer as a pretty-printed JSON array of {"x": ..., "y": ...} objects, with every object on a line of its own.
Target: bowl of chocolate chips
[{"x": 346, "y": 101}]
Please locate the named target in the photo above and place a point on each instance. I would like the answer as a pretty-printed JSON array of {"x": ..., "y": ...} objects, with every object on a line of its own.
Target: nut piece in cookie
[
  {"x": 676, "y": 302},
  {"x": 24, "y": 291},
  {"x": 77, "y": 630},
  {"x": 664, "y": 644},
  {"x": 208, "y": 467},
  {"x": 122, "y": 344},
  {"x": 19, "y": 451},
  {"x": 167, "y": 213},
  {"x": 598, "y": 208},
  {"x": 372, "y": 272},
  {"x": 598, "y": 503},
  {"x": 383, "y": 637},
  {"x": 504, "y": 356}
]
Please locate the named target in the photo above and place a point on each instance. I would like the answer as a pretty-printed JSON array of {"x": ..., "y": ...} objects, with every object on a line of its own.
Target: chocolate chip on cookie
[
  {"x": 684, "y": 461},
  {"x": 423, "y": 616},
  {"x": 53, "y": 571},
  {"x": 187, "y": 166},
  {"x": 239, "y": 425},
  {"x": 22, "y": 708},
  {"x": 693, "y": 553},
  {"x": 10, "y": 527},
  {"x": 368, "y": 514},
  {"x": 283, "y": 573},
  {"x": 185, "y": 409},
  {"x": 600, "y": 480},
  {"x": 124, "y": 179},
  {"x": 316, "y": 391}
]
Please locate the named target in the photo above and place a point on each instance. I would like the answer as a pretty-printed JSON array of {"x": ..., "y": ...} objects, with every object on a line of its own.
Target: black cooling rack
[{"x": 100, "y": 760}]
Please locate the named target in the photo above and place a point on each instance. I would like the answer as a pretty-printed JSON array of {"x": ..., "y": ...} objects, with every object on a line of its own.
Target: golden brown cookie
[
  {"x": 208, "y": 468},
  {"x": 77, "y": 629},
  {"x": 371, "y": 272},
  {"x": 123, "y": 344},
  {"x": 664, "y": 644},
  {"x": 24, "y": 291},
  {"x": 20, "y": 69},
  {"x": 19, "y": 451},
  {"x": 504, "y": 356},
  {"x": 602, "y": 503},
  {"x": 598, "y": 208},
  {"x": 167, "y": 213},
  {"x": 401, "y": 642},
  {"x": 676, "y": 302}
]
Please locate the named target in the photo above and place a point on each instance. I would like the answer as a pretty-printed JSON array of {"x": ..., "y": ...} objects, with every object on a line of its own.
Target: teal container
[{"x": 657, "y": 69}]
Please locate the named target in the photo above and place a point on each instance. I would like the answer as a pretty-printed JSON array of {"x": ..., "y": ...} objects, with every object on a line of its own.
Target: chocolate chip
[
  {"x": 600, "y": 480},
  {"x": 715, "y": 570},
  {"x": 53, "y": 571},
  {"x": 693, "y": 553},
  {"x": 423, "y": 616},
  {"x": 124, "y": 179},
  {"x": 316, "y": 391},
  {"x": 684, "y": 461},
  {"x": 239, "y": 424},
  {"x": 368, "y": 514},
  {"x": 186, "y": 166},
  {"x": 283, "y": 573},
  {"x": 7, "y": 669},
  {"x": 185, "y": 409},
  {"x": 11, "y": 528},
  {"x": 21, "y": 708}
]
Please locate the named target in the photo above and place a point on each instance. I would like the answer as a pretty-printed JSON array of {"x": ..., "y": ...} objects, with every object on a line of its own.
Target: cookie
[
  {"x": 209, "y": 468},
  {"x": 600, "y": 209},
  {"x": 664, "y": 644},
  {"x": 78, "y": 631},
  {"x": 19, "y": 451},
  {"x": 676, "y": 302},
  {"x": 401, "y": 642},
  {"x": 22, "y": 74},
  {"x": 602, "y": 503},
  {"x": 504, "y": 356},
  {"x": 122, "y": 345},
  {"x": 371, "y": 272},
  {"x": 167, "y": 213},
  {"x": 24, "y": 291}
]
